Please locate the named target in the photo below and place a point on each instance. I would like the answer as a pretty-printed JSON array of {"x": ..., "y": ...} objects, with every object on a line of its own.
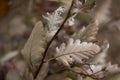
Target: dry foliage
[
  {"x": 79, "y": 55},
  {"x": 35, "y": 46},
  {"x": 75, "y": 51}
]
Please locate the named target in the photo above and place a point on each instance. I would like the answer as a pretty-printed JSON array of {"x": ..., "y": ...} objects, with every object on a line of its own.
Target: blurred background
[{"x": 17, "y": 19}]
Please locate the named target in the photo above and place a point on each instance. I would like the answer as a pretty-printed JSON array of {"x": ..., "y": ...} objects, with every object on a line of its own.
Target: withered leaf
[
  {"x": 38, "y": 40},
  {"x": 89, "y": 33},
  {"x": 112, "y": 69},
  {"x": 35, "y": 46},
  {"x": 75, "y": 51}
]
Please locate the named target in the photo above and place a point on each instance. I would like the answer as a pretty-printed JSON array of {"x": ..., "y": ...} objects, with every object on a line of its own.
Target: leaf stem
[{"x": 45, "y": 53}]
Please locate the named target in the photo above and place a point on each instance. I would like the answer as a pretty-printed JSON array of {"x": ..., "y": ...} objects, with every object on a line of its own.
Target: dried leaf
[
  {"x": 53, "y": 21},
  {"x": 35, "y": 46},
  {"x": 54, "y": 18},
  {"x": 75, "y": 51},
  {"x": 89, "y": 33},
  {"x": 112, "y": 69}
]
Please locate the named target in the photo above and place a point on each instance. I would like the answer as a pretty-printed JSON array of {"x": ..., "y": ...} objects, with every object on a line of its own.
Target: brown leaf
[
  {"x": 38, "y": 41},
  {"x": 89, "y": 33},
  {"x": 112, "y": 69},
  {"x": 75, "y": 51},
  {"x": 35, "y": 46}
]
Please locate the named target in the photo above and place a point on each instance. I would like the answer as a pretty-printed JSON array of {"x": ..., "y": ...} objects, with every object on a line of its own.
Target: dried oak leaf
[
  {"x": 35, "y": 46},
  {"x": 88, "y": 33},
  {"x": 75, "y": 51}
]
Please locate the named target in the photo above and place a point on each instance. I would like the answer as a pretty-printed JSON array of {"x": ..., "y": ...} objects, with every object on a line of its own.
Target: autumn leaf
[
  {"x": 88, "y": 33},
  {"x": 40, "y": 37},
  {"x": 35, "y": 46},
  {"x": 75, "y": 51}
]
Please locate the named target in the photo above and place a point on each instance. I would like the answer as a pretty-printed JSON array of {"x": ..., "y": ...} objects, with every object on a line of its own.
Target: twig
[{"x": 45, "y": 53}]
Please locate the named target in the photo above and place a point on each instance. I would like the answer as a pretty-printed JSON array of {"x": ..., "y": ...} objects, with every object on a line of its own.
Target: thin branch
[
  {"x": 90, "y": 68},
  {"x": 45, "y": 53}
]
